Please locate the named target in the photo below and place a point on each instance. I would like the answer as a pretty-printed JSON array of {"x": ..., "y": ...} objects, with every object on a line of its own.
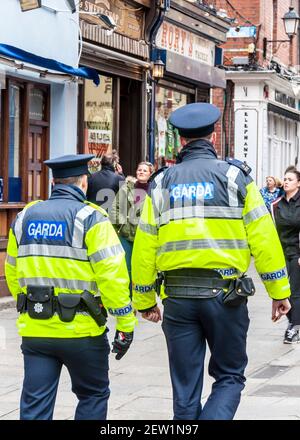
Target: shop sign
[
  {"x": 242, "y": 32},
  {"x": 129, "y": 20},
  {"x": 185, "y": 43},
  {"x": 246, "y": 137},
  {"x": 98, "y": 141}
]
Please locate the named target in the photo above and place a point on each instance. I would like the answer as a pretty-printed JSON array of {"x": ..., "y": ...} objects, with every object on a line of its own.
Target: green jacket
[{"x": 125, "y": 214}]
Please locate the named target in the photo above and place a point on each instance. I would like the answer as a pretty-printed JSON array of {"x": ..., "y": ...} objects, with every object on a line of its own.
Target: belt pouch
[
  {"x": 67, "y": 304},
  {"x": 238, "y": 292},
  {"x": 21, "y": 302},
  {"x": 40, "y": 302}
]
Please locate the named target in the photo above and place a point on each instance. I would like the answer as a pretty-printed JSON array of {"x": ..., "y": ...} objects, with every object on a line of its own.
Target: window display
[
  {"x": 167, "y": 140},
  {"x": 98, "y": 117}
]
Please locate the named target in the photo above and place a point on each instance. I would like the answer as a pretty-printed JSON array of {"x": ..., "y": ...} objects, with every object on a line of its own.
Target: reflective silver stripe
[
  {"x": 78, "y": 233},
  {"x": 11, "y": 260},
  {"x": 59, "y": 282},
  {"x": 202, "y": 244},
  {"x": 43, "y": 250},
  {"x": 273, "y": 276},
  {"x": 232, "y": 188},
  {"x": 156, "y": 193},
  {"x": 201, "y": 212},
  {"x": 106, "y": 253},
  {"x": 19, "y": 225},
  {"x": 149, "y": 229},
  {"x": 255, "y": 214}
]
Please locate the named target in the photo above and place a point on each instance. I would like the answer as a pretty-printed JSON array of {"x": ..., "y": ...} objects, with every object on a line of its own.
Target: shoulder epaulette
[
  {"x": 98, "y": 208},
  {"x": 152, "y": 177},
  {"x": 239, "y": 164}
]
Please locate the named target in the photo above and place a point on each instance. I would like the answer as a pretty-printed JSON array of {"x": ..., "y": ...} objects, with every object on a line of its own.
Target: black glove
[{"x": 121, "y": 343}]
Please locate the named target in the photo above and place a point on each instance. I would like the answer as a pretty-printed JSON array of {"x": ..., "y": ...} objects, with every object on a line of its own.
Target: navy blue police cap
[
  {"x": 195, "y": 120},
  {"x": 70, "y": 165}
]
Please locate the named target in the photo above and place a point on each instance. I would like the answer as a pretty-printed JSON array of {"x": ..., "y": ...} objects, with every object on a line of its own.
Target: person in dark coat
[
  {"x": 286, "y": 213},
  {"x": 104, "y": 184}
]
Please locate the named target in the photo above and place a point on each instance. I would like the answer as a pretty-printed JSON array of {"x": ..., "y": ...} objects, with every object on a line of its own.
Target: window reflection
[
  {"x": 98, "y": 117},
  {"x": 167, "y": 140},
  {"x": 14, "y": 180}
]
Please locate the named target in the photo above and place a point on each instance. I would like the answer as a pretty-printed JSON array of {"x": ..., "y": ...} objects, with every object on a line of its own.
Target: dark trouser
[
  {"x": 87, "y": 362},
  {"x": 293, "y": 269},
  {"x": 188, "y": 324},
  {"x": 128, "y": 247}
]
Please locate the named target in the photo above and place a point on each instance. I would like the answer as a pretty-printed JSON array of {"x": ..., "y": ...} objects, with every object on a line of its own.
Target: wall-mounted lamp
[
  {"x": 28, "y": 5},
  {"x": 158, "y": 69},
  {"x": 291, "y": 22},
  {"x": 98, "y": 19},
  {"x": 158, "y": 58}
]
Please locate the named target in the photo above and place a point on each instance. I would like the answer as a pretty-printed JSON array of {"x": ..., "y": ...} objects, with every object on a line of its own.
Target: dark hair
[
  {"x": 292, "y": 169},
  {"x": 107, "y": 159}
]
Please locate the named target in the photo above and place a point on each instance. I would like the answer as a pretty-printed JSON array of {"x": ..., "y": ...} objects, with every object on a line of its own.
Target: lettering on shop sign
[
  {"x": 182, "y": 42},
  {"x": 48, "y": 230},
  {"x": 246, "y": 137}
]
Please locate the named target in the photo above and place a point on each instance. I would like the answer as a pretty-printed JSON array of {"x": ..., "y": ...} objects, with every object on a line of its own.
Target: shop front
[
  {"x": 113, "y": 115},
  {"x": 189, "y": 39},
  {"x": 267, "y": 118}
]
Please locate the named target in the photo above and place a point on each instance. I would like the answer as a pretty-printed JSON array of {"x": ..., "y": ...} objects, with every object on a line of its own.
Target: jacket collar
[
  {"x": 199, "y": 148},
  {"x": 70, "y": 192}
]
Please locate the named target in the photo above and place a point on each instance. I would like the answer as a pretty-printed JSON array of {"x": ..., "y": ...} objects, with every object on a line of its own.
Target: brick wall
[
  {"x": 223, "y": 99},
  {"x": 266, "y": 15}
]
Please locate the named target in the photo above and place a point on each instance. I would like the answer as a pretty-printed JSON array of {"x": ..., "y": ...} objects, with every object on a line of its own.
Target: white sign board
[
  {"x": 185, "y": 43},
  {"x": 245, "y": 142}
]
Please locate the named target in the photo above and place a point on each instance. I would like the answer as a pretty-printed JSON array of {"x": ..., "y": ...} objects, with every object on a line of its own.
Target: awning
[{"x": 21, "y": 55}]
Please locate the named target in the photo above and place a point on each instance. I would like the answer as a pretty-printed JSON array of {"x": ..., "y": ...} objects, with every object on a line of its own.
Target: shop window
[
  {"x": 98, "y": 117},
  {"x": 14, "y": 179},
  {"x": 36, "y": 104},
  {"x": 24, "y": 141},
  {"x": 167, "y": 139}
]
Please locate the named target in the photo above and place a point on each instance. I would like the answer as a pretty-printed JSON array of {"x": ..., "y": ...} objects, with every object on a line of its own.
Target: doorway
[{"x": 130, "y": 125}]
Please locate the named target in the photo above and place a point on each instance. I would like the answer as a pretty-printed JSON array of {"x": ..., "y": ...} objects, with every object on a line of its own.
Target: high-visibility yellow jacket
[
  {"x": 69, "y": 244},
  {"x": 205, "y": 213}
]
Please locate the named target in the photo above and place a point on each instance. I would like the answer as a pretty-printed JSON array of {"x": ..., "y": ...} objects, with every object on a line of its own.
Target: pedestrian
[
  {"x": 127, "y": 207},
  {"x": 286, "y": 213},
  {"x": 104, "y": 184},
  {"x": 61, "y": 253},
  {"x": 271, "y": 191},
  {"x": 199, "y": 226}
]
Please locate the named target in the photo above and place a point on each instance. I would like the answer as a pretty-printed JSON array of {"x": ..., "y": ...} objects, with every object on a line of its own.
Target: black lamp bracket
[{"x": 266, "y": 42}]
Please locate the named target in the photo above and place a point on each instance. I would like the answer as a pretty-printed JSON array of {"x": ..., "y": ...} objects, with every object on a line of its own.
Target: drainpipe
[{"x": 161, "y": 8}]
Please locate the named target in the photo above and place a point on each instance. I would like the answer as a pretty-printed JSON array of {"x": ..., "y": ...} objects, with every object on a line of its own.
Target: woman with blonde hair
[{"x": 271, "y": 191}]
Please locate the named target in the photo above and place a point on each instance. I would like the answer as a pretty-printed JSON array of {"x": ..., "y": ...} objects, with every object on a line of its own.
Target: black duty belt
[
  {"x": 194, "y": 283},
  {"x": 41, "y": 303}
]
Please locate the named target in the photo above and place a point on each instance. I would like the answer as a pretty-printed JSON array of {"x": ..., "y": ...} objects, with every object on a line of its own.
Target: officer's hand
[
  {"x": 280, "y": 308},
  {"x": 152, "y": 315},
  {"x": 121, "y": 343}
]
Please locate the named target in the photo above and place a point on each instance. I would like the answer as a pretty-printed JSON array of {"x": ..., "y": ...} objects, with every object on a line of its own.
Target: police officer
[
  {"x": 200, "y": 224},
  {"x": 61, "y": 253}
]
